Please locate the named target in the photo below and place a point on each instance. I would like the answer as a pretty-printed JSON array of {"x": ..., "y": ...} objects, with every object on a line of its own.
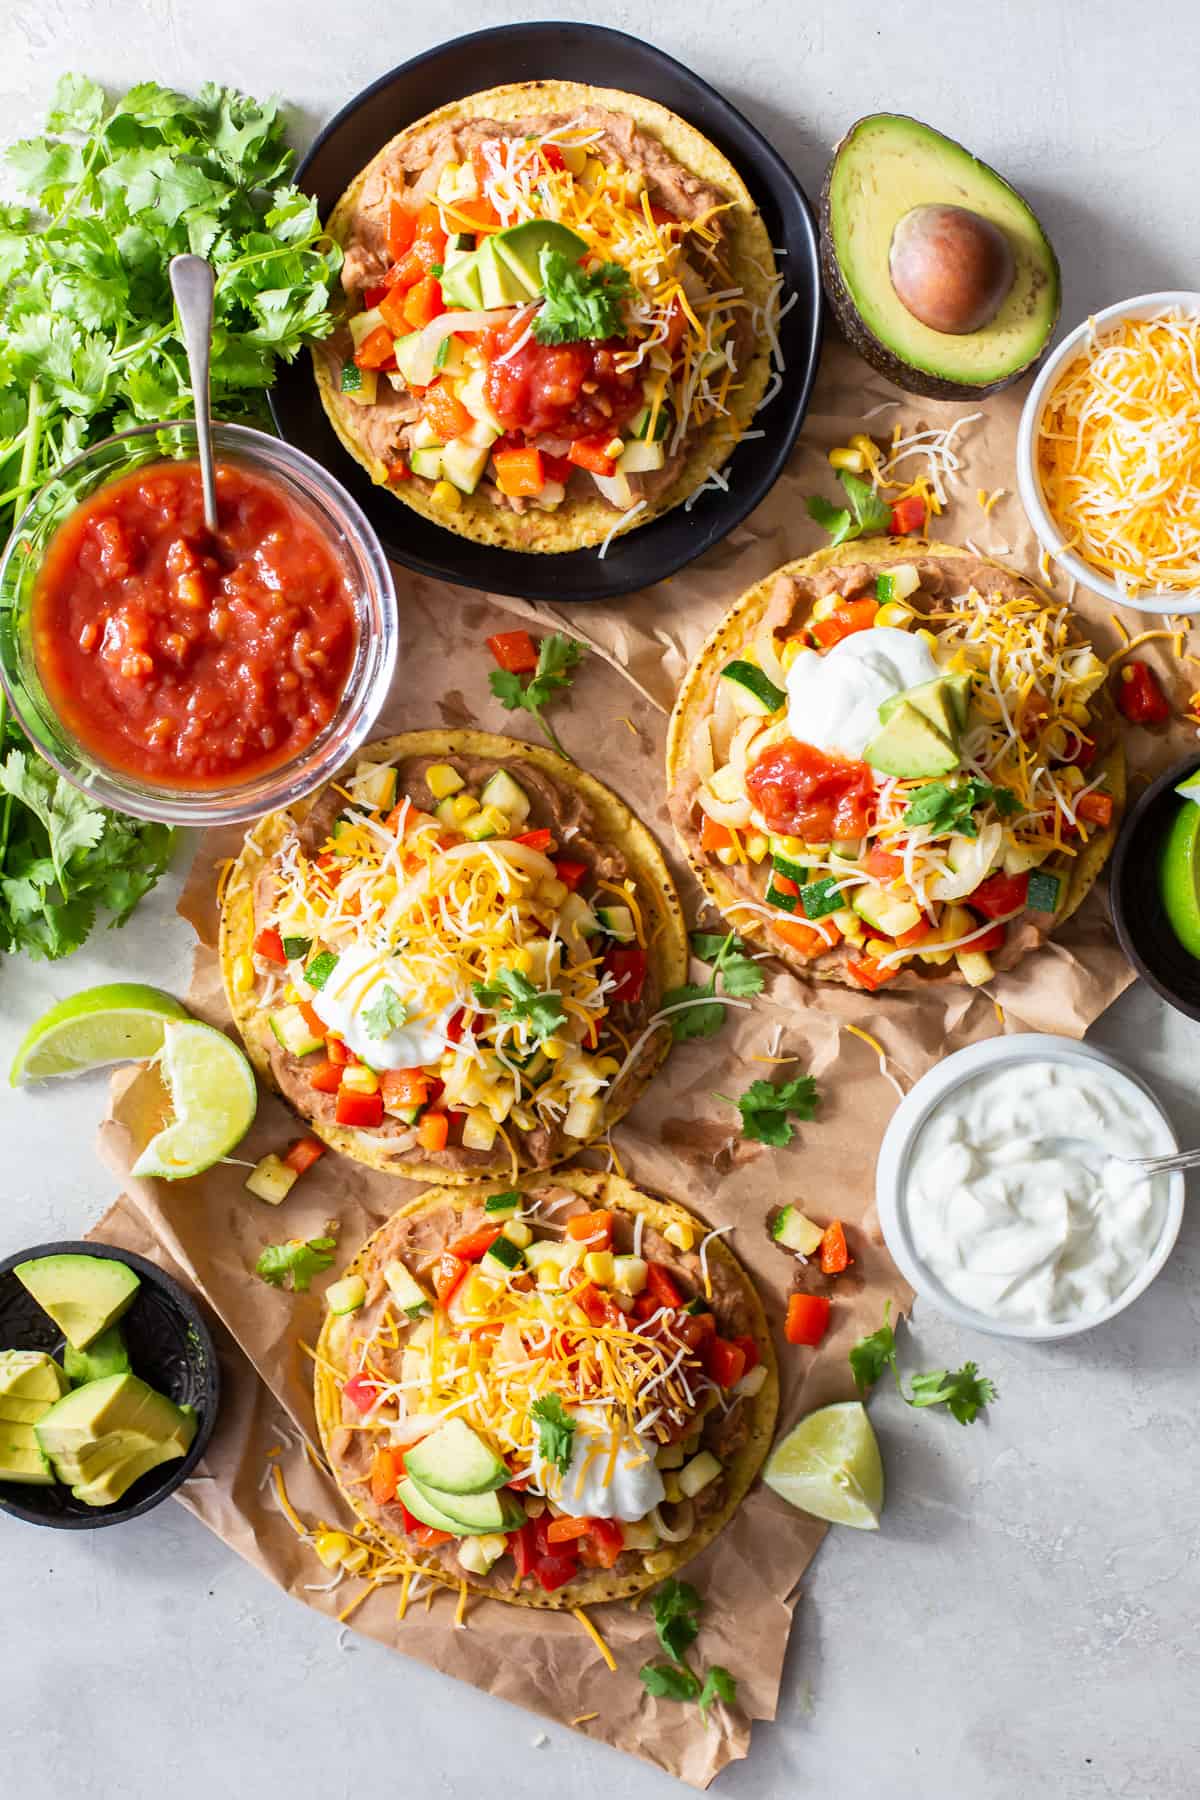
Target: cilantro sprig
[
  {"x": 740, "y": 977},
  {"x": 386, "y": 1013},
  {"x": 558, "y": 655},
  {"x": 580, "y": 303},
  {"x": 515, "y": 1000},
  {"x": 556, "y": 1431},
  {"x": 676, "y": 1609},
  {"x": 965, "y": 1392},
  {"x": 866, "y": 514},
  {"x": 765, "y": 1108},
  {"x": 947, "y": 808},
  {"x": 296, "y": 1262}
]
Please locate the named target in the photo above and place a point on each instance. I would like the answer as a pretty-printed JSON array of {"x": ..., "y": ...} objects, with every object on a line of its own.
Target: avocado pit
[{"x": 951, "y": 268}]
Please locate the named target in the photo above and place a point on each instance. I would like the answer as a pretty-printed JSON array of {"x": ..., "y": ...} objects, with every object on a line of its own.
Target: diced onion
[{"x": 685, "y": 1517}]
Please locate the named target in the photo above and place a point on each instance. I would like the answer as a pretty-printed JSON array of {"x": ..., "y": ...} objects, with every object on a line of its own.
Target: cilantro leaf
[
  {"x": 964, "y": 1391},
  {"x": 707, "y": 946},
  {"x": 556, "y": 1431},
  {"x": 298, "y": 1259},
  {"x": 765, "y": 1108},
  {"x": 669, "y": 1681},
  {"x": 543, "y": 1012},
  {"x": 836, "y": 520},
  {"x": 386, "y": 1013},
  {"x": 580, "y": 303},
  {"x": 948, "y": 808},
  {"x": 701, "y": 1017},
  {"x": 869, "y": 513},
  {"x": 741, "y": 977},
  {"x": 558, "y": 655},
  {"x": 676, "y": 1609},
  {"x": 719, "y": 1684},
  {"x": 871, "y": 1355}
]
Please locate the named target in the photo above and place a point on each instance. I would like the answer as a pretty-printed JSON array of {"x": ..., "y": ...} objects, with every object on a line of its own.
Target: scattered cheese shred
[
  {"x": 877, "y": 1047},
  {"x": 584, "y": 1718},
  {"x": 599, "y": 1642},
  {"x": 460, "y": 1611},
  {"x": 357, "y": 1601}
]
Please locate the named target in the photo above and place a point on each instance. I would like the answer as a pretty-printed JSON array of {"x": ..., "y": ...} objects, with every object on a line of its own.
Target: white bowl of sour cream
[{"x": 1000, "y": 1196}]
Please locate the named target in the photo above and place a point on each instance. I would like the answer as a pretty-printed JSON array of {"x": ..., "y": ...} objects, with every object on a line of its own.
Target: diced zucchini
[
  {"x": 639, "y": 458},
  {"x": 897, "y": 583},
  {"x": 695, "y": 1476},
  {"x": 752, "y": 1381},
  {"x": 1044, "y": 891},
  {"x": 884, "y": 911},
  {"x": 364, "y": 323},
  {"x": 463, "y": 463},
  {"x": 405, "y": 1289},
  {"x": 449, "y": 359},
  {"x": 975, "y": 967},
  {"x": 640, "y": 425},
  {"x": 846, "y": 849},
  {"x": 754, "y": 691},
  {"x": 424, "y": 437},
  {"x": 472, "y": 396},
  {"x": 503, "y": 1206},
  {"x": 345, "y": 1296},
  {"x": 584, "y": 1117},
  {"x": 776, "y": 897},
  {"x": 479, "y": 1129},
  {"x": 616, "y": 490},
  {"x": 359, "y": 385},
  {"x": 271, "y": 1180},
  {"x": 630, "y": 1274},
  {"x": 488, "y": 822},
  {"x": 785, "y": 862},
  {"x": 374, "y": 784},
  {"x": 1019, "y": 857},
  {"x": 320, "y": 969},
  {"x": 820, "y": 898},
  {"x": 427, "y": 463},
  {"x": 292, "y": 1032},
  {"x": 796, "y": 1232},
  {"x": 296, "y": 948},
  {"x": 502, "y": 1257},
  {"x": 477, "y": 1554},
  {"x": 671, "y": 1456},
  {"x": 617, "y": 921},
  {"x": 500, "y": 790},
  {"x": 455, "y": 809},
  {"x": 517, "y": 1232}
]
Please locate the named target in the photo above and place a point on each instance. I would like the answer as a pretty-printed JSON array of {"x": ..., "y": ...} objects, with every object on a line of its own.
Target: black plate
[
  {"x": 1138, "y": 913},
  {"x": 603, "y": 58},
  {"x": 169, "y": 1347}
]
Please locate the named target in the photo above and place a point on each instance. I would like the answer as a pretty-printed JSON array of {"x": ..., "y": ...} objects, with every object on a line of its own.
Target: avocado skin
[{"x": 875, "y": 352}]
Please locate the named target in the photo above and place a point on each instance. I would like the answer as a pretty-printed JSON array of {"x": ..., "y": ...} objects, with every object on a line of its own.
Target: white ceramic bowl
[
  {"x": 1029, "y": 486},
  {"x": 891, "y": 1173}
]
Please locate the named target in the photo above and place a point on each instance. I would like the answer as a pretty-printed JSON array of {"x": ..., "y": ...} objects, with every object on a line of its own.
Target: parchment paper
[{"x": 680, "y": 1140}]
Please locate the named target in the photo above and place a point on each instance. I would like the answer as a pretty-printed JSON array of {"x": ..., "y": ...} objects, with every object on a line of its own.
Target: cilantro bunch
[
  {"x": 965, "y": 1392},
  {"x": 295, "y": 1263},
  {"x": 676, "y": 1608},
  {"x": 701, "y": 1015},
  {"x": 867, "y": 514},
  {"x": 515, "y": 1001},
  {"x": 580, "y": 303},
  {"x": 765, "y": 1108},
  {"x": 947, "y": 808}
]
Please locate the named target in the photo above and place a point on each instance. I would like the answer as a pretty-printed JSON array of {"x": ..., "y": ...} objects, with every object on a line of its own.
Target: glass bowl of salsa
[{"x": 191, "y": 677}]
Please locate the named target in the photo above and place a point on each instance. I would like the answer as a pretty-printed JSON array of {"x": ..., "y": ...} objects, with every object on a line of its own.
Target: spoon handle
[
  {"x": 1166, "y": 1165},
  {"x": 192, "y": 283}
]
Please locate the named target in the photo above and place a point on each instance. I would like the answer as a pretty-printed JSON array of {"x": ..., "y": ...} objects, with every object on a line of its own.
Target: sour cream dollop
[
  {"x": 635, "y": 1486},
  {"x": 1013, "y": 1198},
  {"x": 834, "y": 699},
  {"x": 356, "y": 983}
]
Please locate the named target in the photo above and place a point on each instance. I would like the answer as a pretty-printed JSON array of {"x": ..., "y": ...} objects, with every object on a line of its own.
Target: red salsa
[
  {"x": 188, "y": 658},
  {"x": 802, "y": 792},
  {"x": 560, "y": 390}
]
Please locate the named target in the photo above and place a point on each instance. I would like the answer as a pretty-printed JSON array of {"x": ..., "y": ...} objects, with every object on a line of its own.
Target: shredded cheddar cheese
[{"x": 600, "y": 1644}]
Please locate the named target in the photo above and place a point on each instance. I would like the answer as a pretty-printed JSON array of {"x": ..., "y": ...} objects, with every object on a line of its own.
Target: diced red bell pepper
[
  {"x": 551, "y": 1572},
  {"x": 455, "y": 1026},
  {"x": 713, "y": 835},
  {"x": 844, "y": 621},
  {"x": 557, "y": 468},
  {"x": 404, "y": 1087},
  {"x": 566, "y": 1530},
  {"x": 433, "y": 1131},
  {"x": 592, "y": 1228},
  {"x": 361, "y": 1392},
  {"x": 783, "y": 884},
  {"x": 569, "y": 873},
  {"x": 694, "y": 1329},
  {"x": 269, "y": 945},
  {"x": 520, "y": 473},
  {"x": 991, "y": 940},
  {"x": 385, "y": 1474},
  {"x": 908, "y": 515},
  {"x": 326, "y": 1077},
  {"x": 598, "y": 1308},
  {"x": 677, "y": 319},
  {"x": 749, "y": 1350},
  {"x": 338, "y": 1053},
  {"x": 590, "y": 454},
  {"x": 868, "y": 973},
  {"x": 393, "y": 310},
  {"x": 427, "y": 1536},
  {"x": 602, "y": 1545},
  {"x": 553, "y": 157},
  {"x": 1140, "y": 696},
  {"x": 360, "y": 1110},
  {"x": 514, "y": 651},
  {"x": 835, "y": 1257},
  {"x": 399, "y": 471},
  {"x": 916, "y": 934},
  {"x": 377, "y": 350},
  {"x": 523, "y": 1545},
  {"x": 644, "y": 1307},
  {"x": 423, "y": 303},
  {"x": 445, "y": 412},
  {"x": 807, "y": 1319},
  {"x": 881, "y": 865},
  {"x": 472, "y": 1245},
  {"x": 448, "y": 1272},
  {"x": 999, "y": 894},
  {"x": 806, "y": 938},
  {"x": 1083, "y": 753},
  {"x": 661, "y": 1286},
  {"x": 627, "y": 964},
  {"x": 304, "y": 1153},
  {"x": 1096, "y": 808},
  {"x": 535, "y": 840},
  {"x": 724, "y": 1361},
  {"x": 313, "y": 1019},
  {"x": 402, "y": 228}
]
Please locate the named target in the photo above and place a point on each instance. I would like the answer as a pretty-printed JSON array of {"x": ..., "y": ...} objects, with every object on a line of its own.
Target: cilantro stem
[{"x": 548, "y": 730}]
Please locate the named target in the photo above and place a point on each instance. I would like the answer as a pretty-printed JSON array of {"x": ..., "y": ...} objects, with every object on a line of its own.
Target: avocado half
[{"x": 886, "y": 165}]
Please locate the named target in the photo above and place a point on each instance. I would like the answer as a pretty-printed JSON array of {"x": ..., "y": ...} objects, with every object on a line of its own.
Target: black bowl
[
  {"x": 604, "y": 58},
  {"x": 169, "y": 1347},
  {"x": 1142, "y": 925}
]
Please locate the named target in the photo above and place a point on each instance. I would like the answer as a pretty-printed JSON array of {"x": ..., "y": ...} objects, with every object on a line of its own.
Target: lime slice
[
  {"x": 213, "y": 1099},
  {"x": 829, "y": 1465},
  {"x": 120, "y": 1022},
  {"x": 1179, "y": 877},
  {"x": 1190, "y": 789}
]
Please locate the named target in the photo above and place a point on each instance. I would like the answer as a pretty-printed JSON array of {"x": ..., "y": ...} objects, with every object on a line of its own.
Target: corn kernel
[
  {"x": 853, "y": 460},
  {"x": 442, "y": 780},
  {"x": 605, "y": 1065},
  {"x": 860, "y": 441},
  {"x": 756, "y": 846},
  {"x": 928, "y": 639},
  {"x": 446, "y": 495},
  {"x": 519, "y": 959},
  {"x": 791, "y": 650},
  {"x": 359, "y": 1079},
  {"x": 553, "y": 891},
  {"x": 463, "y": 806},
  {"x": 727, "y": 855},
  {"x": 1079, "y": 712},
  {"x": 659, "y": 1562},
  {"x": 898, "y": 617},
  {"x": 878, "y": 947},
  {"x": 598, "y": 1267},
  {"x": 355, "y": 1558},
  {"x": 243, "y": 974},
  {"x": 292, "y": 994},
  {"x": 499, "y": 822},
  {"x": 331, "y": 1546},
  {"x": 827, "y": 604},
  {"x": 1072, "y": 777},
  {"x": 553, "y": 1048},
  {"x": 548, "y": 1275},
  {"x": 680, "y": 1234}
]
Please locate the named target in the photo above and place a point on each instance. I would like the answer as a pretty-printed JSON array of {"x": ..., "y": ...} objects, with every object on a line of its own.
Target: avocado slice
[
  {"x": 84, "y": 1295},
  {"x": 910, "y": 745},
  {"x": 471, "y": 1513},
  {"x": 22, "y": 1458},
  {"x": 932, "y": 698},
  {"x": 31, "y": 1376},
  {"x": 499, "y": 282},
  {"x": 455, "y": 1460},
  {"x": 107, "y": 1355},
  {"x": 120, "y": 1407},
  {"x": 113, "y": 1483},
  {"x": 414, "y": 1500},
  {"x": 521, "y": 248},
  {"x": 885, "y": 168}
]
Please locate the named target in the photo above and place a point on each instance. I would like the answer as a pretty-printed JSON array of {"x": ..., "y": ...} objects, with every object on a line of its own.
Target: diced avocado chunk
[
  {"x": 934, "y": 700},
  {"x": 796, "y": 1232},
  {"x": 454, "y": 1459},
  {"x": 756, "y": 692},
  {"x": 462, "y": 289},
  {"x": 908, "y": 745},
  {"x": 414, "y": 1500},
  {"x": 120, "y": 1404},
  {"x": 521, "y": 246},
  {"x": 292, "y": 1032},
  {"x": 500, "y": 790},
  {"x": 884, "y": 911},
  {"x": 30, "y": 1376},
  {"x": 84, "y": 1295},
  {"x": 500, "y": 283},
  {"x": 21, "y": 1458},
  {"x": 617, "y": 921},
  {"x": 106, "y": 1356},
  {"x": 472, "y": 1513},
  {"x": 115, "y": 1481}
]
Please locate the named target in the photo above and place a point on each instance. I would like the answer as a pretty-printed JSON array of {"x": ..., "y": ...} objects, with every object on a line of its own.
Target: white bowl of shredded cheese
[
  {"x": 1003, "y": 1196},
  {"x": 1108, "y": 453}
]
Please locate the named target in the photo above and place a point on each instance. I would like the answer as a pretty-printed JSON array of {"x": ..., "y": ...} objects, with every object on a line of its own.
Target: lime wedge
[
  {"x": 213, "y": 1100},
  {"x": 1179, "y": 877},
  {"x": 120, "y": 1022},
  {"x": 1190, "y": 789},
  {"x": 829, "y": 1465}
]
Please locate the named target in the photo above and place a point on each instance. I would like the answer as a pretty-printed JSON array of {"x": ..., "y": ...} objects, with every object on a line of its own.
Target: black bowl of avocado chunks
[{"x": 134, "y": 1397}]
